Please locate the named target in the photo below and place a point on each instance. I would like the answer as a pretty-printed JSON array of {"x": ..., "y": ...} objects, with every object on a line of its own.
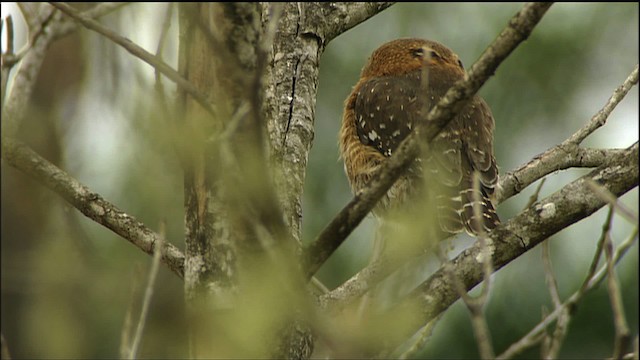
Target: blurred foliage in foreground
[{"x": 68, "y": 283}]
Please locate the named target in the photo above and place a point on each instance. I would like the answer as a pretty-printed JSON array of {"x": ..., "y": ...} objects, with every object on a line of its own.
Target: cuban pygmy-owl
[{"x": 386, "y": 104}]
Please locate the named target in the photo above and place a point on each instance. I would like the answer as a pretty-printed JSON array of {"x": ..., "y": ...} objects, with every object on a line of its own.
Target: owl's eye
[
  {"x": 460, "y": 63},
  {"x": 417, "y": 52}
]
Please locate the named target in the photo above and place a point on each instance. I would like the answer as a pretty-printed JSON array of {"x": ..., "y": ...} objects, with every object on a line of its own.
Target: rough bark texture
[
  {"x": 210, "y": 254},
  {"x": 303, "y": 32}
]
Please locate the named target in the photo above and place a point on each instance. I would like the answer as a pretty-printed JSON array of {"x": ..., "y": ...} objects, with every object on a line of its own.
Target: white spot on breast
[
  {"x": 378, "y": 108},
  {"x": 388, "y": 98},
  {"x": 382, "y": 126},
  {"x": 396, "y": 133},
  {"x": 401, "y": 107}
]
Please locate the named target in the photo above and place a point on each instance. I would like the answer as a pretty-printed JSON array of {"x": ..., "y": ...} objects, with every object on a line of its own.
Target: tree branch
[
  {"x": 600, "y": 118},
  {"x": 560, "y": 157},
  {"x": 89, "y": 203},
  {"x": 344, "y": 16},
  {"x": 592, "y": 280},
  {"x": 563, "y": 156},
  {"x": 14, "y": 109},
  {"x": 567, "y": 154},
  {"x": 100, "y": 10},
  {"x": 291, "y": 89},
  {"x": 570, "y": 204},
  {"x": 518, "y": 29}
]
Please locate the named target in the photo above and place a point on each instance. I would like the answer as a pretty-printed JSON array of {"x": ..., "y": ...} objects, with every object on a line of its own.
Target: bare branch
[
  {"x": 554, "y": 342},
  {"x": 567, "y": 154},
  {"x": 573, "y": 202},
  {"x": 6, "y": 68},
  {"x": 600, "y": 118},
  {"x": 13, "y": 110},
  {"x": 622, "y": 336},
  {"x": 612, "y": 200},
  {"x": 155, "y": 263},
  {"x": 346, "y": 15},
  {"x": 534, "y": 336},
  {"x": 95, "y": 12},
  {"x": 534, "y": 197},
  {"x": 10, "y": 35},
  {"x": 89, "y": 203},
  {"x": 125, "y": 334},
  {"x": 518, "y": 29},
  {"x": 138, "y": 52},
  {"x": 164, "y": 31},
  {"x": 557, "y": 158},
  {"x": 549, "y": 277},
  {"x": 29, "y": 11},
  {"x": 423, "y": 337}
]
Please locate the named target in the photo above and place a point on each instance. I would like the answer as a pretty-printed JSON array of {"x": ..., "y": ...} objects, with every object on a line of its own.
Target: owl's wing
[
  {"x": 478, "y": 154},
  {"x": 385, "y": 111}
]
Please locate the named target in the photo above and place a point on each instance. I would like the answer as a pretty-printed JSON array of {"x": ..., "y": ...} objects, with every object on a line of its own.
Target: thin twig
[
  {"x": 6, "y": 68},
  {"x": 125, "y": 334},
  {"x": 568, "y": 153},
  {"x": 607, "y": 196},
  {"x": 600, "y": 118},
  {"x": 476, "y": 305},
  {"x": 41, "y": 34},
  {"x": 29, "y": 12},
  {"x": 138, "y": 52},
  {"x": 554, "y": 342},
  {"x": 550, "y": 278},
  {"x": 622, "y": 337},
  {"x": 534, "y": 335},
  {"x": 10, "y": 35},
  {"x": 98, "y": 11},
  {"x": 155, "y": 264},
  {"x": 517, "y": 30},
  {"x": 534, "y": 197},
  {"x": 421, "y": 341},
  {"x": 598, "y": 253},
  {"x": 164, "y": 30},
  {"x": 166, "y": 112}
]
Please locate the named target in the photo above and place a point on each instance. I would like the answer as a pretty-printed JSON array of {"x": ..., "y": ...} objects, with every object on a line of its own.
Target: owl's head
[{"x": 401, "y": 56}]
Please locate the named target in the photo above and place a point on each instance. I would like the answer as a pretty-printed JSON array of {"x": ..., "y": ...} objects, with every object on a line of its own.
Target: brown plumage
[{"x": 384, "y": 107}]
